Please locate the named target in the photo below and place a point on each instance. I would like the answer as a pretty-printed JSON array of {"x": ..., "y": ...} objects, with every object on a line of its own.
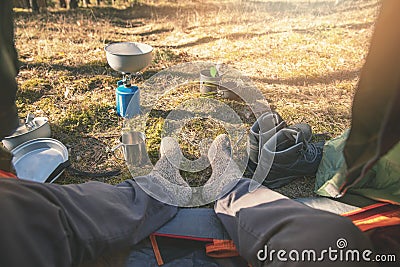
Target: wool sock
[
  {"x": 224, "y": 169},
  {"x": 165, "y": 176}
]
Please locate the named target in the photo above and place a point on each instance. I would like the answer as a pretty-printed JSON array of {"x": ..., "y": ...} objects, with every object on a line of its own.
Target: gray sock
[
  {"x": 225, "y": 170},
  {"x": 165, "y": 175}
]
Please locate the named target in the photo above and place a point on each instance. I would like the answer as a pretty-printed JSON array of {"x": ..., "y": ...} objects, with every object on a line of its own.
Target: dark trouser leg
[
  {"x": 54, "y": 225},
  {"x": 8, "y": 71},
  {"x": 263, "y": 221}
]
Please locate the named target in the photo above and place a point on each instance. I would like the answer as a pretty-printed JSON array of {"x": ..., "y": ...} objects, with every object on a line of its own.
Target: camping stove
[
  {"x": 129, "y": 58},
  {"x": 127, "y": 96}
]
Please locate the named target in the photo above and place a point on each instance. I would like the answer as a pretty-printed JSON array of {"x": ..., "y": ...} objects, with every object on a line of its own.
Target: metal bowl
[
  {"x": 39, "y": 128},
  {"x": 36, "y": 159},
  {"x": 128, "y": 57}
]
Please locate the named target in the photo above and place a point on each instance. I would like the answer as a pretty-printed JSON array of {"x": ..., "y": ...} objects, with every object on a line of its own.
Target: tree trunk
[
  {"x": 63, "y": 4},
  {"x": 34, "y": 5},
  {"x": 21, "y": 3},
  {"x": 73, "y": 4}
]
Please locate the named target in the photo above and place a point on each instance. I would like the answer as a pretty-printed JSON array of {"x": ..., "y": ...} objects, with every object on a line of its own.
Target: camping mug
[
  {"x": 133, "y": 147},
  {"x": 208, "y": 84}
]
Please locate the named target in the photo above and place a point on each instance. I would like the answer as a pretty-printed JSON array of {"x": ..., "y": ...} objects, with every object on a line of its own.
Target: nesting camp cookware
[
  {"x": 40, "y": 160},
  {"x": 45, "y": 159},
  {"x": 133, "y": 145},
  {"x": 32, "y": 128}
]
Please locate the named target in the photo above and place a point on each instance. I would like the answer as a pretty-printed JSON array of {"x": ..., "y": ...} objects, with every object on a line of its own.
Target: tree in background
[
  {"x": 63, "y": 4},
  {"x": 22, "y": 3},
  {"x": 73, "y": 4},
  {"x": 37, "y": 5},
  {"x": 34, "y": 5}
]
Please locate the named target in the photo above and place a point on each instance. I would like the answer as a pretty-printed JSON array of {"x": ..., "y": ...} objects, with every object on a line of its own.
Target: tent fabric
[
  {"x": 185, "y": 241},
  {"x": 380, "y": 183},
  {"x": 375, "y": 216},
  {"x": 143, "y": 255},
  {"x": 375, "y": 127}
]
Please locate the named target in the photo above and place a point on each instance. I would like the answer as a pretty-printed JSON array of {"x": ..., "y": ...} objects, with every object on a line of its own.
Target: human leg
[
  {"x": 55, "y": 225},
  {"x": 263, "y": 221}
]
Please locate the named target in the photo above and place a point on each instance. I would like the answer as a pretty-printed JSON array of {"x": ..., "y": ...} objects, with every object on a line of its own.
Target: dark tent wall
[{"x": 375, "y": 125}]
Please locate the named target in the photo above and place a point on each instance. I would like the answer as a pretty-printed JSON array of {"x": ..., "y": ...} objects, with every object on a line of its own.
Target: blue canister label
[{"x": 128, "y": 101}]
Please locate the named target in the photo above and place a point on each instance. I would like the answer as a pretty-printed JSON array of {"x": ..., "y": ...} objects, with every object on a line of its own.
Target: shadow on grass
[
  {"x": 323, "y": 79},
  {"x": 101, "y": 67},
  {"x": 246, "y": 35},
  {"x": 29, "y": 96},
  {"x": 97, "y": 67},
  {"x": 158, "y": 31}
]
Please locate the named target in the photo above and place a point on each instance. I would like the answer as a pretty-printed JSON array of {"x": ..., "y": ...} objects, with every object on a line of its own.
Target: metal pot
[
  {"x": 128, "y": 57},
  {"x": 33, "y": 128}
]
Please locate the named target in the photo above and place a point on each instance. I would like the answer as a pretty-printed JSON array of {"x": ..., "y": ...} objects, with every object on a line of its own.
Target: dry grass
[{"x": 305, "y": 56}]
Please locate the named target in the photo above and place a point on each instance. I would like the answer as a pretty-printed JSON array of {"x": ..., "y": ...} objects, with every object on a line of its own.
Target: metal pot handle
[{"x": 115, "y": 148}]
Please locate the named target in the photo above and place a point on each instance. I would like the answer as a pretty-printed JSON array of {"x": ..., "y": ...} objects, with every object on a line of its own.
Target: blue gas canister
[{"x": 128, "y": 100}]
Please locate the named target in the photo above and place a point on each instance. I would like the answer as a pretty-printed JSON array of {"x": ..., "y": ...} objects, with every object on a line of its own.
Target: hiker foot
[
  {"x": 165, "y": 175},
  {"x": 224, "y": 169}
]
